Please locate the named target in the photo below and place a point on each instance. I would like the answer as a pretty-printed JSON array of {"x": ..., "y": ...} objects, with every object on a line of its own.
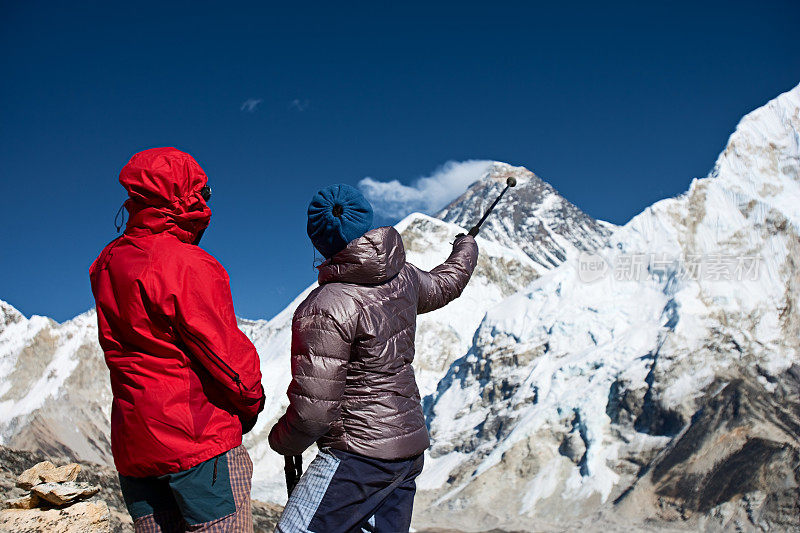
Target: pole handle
[
  {"x": 288, "y": 470},
  {"x": 293, "y": 469}
]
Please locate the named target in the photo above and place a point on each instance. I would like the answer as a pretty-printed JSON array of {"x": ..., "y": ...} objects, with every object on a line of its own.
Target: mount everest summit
[{"x": 590, "y": 375}]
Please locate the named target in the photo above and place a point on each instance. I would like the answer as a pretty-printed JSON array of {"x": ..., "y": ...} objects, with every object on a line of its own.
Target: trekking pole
[
  {"x": 510, "y": 182},
  {"x": 293, "y": 468}
]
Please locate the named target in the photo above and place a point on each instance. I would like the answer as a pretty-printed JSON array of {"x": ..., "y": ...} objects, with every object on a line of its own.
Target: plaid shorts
[{"x": 213, "y": 497}]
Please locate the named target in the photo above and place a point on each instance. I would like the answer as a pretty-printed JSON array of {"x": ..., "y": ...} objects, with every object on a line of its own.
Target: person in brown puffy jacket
[{"x": 353, "y": 390}]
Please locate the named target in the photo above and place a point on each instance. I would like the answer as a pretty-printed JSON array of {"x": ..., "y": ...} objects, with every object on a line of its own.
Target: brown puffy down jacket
[{"x": 353, "y": 386}]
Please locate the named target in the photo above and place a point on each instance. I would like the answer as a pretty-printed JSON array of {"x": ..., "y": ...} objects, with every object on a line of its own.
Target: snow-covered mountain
[
  {"x": 55, "y": 394},
  {"x": 589, "y": 376},
  {"x": 532, "y": 217},
  {"x": 573, "y": 385}
]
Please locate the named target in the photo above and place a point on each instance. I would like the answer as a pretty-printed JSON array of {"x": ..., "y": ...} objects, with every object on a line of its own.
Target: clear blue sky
[{"x": 616, "y": 104}]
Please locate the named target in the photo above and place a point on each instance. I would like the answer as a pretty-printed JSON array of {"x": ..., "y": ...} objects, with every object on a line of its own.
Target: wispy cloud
[
  {"x": 250, "y": 105},
  {"x": 299, "y": 105},
  {"x": 429, "y": 194}
]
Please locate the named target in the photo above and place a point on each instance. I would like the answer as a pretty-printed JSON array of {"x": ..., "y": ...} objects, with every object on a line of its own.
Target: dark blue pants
[{"x": 344, "y": 492}]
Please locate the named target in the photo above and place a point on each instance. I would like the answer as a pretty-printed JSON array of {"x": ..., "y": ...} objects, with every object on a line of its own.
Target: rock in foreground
[
  {"x": 82, "y": 517},
  {"x": 64, "y": 493},
  {"x": 50, "y": 486}
]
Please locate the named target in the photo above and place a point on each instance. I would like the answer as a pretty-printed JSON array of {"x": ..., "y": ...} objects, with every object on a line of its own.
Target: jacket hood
[
  {"x": 373, "y": 258},
  {"x": 163, "y": 187}
]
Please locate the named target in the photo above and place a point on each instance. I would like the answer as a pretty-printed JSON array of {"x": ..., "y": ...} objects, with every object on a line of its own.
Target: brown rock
[
  {"x": 265, "y": 516},
  {"x": 83, "y": 517},
  {"x": 61, "y": 474},
  {"x": 33, "y": 475},
  {"x": 64, "y": 493},
  {"x": 28, "y": 501}
]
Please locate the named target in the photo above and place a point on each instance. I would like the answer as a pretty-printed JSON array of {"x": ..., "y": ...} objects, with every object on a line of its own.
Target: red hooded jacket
[{"x": 183, "y": 375}]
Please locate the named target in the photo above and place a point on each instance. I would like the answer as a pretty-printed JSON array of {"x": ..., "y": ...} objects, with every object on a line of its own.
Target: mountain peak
[
  {"x": 9, "y": 315},
  {"x": 532, "y": 217},
  {"x": 499, "y": 171},
  {"x": 761, "y": 160}
]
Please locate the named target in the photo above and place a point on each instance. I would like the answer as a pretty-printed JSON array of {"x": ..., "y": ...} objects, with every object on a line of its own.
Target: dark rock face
[{"x": 737, "y": 461}]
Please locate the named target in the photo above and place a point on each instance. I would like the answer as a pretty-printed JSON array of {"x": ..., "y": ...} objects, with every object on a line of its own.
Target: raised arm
[
  {"x": 320, "y": 352},
  {"x": 445, "y": 283}
]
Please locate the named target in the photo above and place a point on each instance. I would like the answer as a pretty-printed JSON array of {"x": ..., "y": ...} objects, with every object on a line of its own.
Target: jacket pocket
[{"x": 220, "y": 363}]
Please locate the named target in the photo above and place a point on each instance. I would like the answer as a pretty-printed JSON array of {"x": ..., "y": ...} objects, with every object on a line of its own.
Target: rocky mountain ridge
[{"x": 575, "y": 385}]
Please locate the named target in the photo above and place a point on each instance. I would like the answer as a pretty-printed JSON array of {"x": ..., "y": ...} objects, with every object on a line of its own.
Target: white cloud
[
  {"x": 429, "y": 194},
  {"x": 299, "y": 105},
  {"x": 250, "y": 104}
]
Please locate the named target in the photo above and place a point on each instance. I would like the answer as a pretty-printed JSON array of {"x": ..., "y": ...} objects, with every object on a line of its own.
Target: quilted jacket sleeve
[
  {"x": 204, "y": 320},
  {"x": 320, "y": 353},
  {"x": 445, "y": 283}
]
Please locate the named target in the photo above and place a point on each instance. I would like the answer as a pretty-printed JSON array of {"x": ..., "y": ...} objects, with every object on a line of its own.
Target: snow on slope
[
  {"x": 570, "y": 387},
  {"x": 54, "y": 389}
]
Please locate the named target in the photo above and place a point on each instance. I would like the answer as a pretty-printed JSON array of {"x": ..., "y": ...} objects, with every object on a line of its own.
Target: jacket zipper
[{"x": 219, "y": 362}]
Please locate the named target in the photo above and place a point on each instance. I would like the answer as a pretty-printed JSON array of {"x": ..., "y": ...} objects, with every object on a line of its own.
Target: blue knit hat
[{"x": 337, "y": 215}]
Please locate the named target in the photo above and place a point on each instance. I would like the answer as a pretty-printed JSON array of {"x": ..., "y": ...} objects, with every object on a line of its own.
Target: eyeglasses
[{"x": 205, "y": 192}]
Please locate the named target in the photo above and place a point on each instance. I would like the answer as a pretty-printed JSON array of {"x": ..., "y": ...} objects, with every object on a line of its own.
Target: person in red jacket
[{"x": 186, "y": 381}]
